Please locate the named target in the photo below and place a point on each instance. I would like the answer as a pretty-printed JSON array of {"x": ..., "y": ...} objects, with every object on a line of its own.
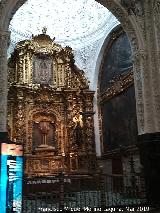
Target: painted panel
[
  {"x": 118, "y": 60},
  {"x": 119, "y": 121}
]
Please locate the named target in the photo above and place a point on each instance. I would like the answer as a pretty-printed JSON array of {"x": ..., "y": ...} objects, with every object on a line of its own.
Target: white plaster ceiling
[{"x": 80, "y": 24}]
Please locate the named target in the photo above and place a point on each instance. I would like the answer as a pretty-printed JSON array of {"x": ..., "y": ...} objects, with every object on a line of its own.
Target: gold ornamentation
[{"x": 59, "y": 102}]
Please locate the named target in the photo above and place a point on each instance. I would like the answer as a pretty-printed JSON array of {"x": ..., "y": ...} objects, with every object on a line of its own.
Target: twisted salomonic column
[{"x": 4, "y": 41}]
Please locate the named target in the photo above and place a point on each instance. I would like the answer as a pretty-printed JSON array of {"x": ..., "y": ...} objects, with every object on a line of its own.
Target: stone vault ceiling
[{"x": 81, "y": 24}]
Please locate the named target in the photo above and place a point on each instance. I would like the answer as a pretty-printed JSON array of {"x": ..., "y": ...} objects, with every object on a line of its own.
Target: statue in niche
[
  {"x": 44, "y": 134},
  {"x": 78, "y": 130}
]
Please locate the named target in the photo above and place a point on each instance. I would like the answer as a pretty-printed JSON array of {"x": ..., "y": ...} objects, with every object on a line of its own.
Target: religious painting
[
  {"x": 117, "y": 60},
  {"x": 42, "y": 70},
  {"x": 119, "y": 121}
]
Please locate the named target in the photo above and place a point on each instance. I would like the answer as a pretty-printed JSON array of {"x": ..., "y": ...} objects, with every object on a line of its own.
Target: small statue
[
  {"x": 78, "y": 129},
  {"x": 78, "y": 134},
  {"x": 44, "y": 30}
]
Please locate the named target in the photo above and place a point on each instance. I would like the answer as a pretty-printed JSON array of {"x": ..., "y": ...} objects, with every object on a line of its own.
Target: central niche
[
  {"x": 42, "y": 69},
  {"x": 44, "y": 132}
]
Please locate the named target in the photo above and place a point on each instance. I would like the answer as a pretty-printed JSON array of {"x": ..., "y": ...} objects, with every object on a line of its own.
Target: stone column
[
  {"x": 138, "y": 70},
  {"x": 149, "y": 138},
  {"x": 4, "y": 43}
]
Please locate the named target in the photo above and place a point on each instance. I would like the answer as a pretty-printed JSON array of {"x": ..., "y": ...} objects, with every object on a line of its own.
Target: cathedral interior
[{"x": 79, "y": 106}]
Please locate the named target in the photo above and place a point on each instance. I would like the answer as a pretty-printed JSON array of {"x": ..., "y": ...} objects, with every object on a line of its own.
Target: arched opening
[
  {"x": 128, "y": 24},
  {"x": 117, "y": 107},
  {"x": 116, "y": 67}
]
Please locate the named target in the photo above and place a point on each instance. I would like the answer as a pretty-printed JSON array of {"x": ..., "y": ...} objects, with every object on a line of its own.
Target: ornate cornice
[
  {"x": 118, "y": 85},
  {"x": 43, "y": 44}
]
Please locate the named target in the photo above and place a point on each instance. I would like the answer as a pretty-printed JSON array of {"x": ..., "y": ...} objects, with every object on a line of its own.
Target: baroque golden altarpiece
[{"x": 50, "y": 109}]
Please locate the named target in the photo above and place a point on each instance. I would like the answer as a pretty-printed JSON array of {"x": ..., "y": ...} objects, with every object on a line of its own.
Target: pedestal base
[{"x": 149, "y": 145}]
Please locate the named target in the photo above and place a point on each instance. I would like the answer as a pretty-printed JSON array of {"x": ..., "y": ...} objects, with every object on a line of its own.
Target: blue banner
[{"x": 11, "y": 178}]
